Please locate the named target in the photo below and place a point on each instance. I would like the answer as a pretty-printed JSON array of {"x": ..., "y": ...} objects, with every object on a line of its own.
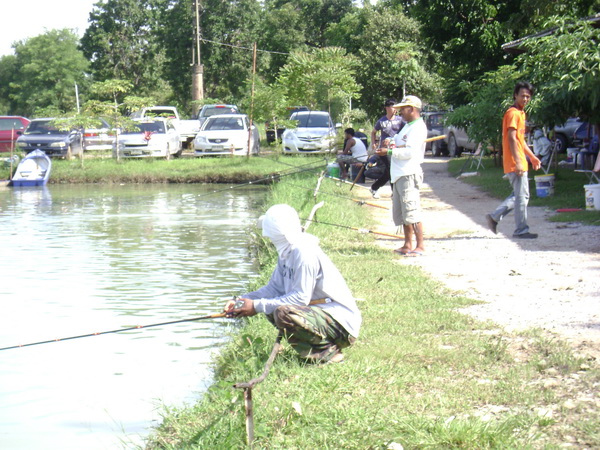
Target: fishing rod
[
  {"x": 273, "y": 177},
  {"x": 361, "y": 230},
  {"x": 360, "y": 202},
  {"x": 120, "y": 330}
]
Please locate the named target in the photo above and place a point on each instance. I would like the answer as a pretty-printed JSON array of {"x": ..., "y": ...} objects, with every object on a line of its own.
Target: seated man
[
  {"x": 306, "y": 298},
  {"x": 354, "y": 152}
]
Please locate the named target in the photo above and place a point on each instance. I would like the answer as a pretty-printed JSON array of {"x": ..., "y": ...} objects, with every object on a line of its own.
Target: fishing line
[
  {"x": 360, "y": 202},
  {"x": 120, "y": 330},
  {"x": 361, "y": 230},
  {"x": 273, "y": 177}
]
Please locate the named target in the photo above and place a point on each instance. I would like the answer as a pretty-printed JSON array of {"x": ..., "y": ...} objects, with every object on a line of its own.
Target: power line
[{"x": 242, "y": 48}]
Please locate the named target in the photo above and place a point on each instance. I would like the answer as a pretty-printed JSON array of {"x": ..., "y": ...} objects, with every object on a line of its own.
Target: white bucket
[
  {"x": 333, "y": 170},
  {"x": 592, "y": 197},
  {"x": 544, "y": 185}
]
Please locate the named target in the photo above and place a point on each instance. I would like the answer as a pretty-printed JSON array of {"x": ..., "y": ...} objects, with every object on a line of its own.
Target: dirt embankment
[{"x": 552, "y": 282}]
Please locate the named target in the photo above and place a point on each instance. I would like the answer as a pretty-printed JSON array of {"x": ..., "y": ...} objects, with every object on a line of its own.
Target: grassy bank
[
  {"x": 568, "y": 189},
  {"x": 182, "y": 170},
  {"x": 421, "y": 375}
]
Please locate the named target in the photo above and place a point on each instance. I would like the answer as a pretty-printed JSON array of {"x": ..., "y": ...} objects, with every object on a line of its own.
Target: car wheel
[
  {"x": 561, "y": 143},
  {"x": 436, "y": 148},
  {"x": 178, "y": 153},
  {"x": 453, "y": 148}
]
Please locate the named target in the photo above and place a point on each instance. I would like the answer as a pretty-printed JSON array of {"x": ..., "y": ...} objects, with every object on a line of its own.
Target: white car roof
[{"x": 224, "y": 116}]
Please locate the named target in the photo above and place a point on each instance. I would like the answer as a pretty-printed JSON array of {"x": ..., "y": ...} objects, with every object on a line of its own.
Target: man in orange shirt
[{"x": 515, "y": 153}]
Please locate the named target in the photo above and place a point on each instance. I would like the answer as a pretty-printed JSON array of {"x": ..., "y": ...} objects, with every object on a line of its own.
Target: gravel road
[{"x": 551, "y": 283}]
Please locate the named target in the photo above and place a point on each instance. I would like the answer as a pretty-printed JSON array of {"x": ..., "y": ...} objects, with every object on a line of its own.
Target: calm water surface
[{"x": 84, "y": 259}]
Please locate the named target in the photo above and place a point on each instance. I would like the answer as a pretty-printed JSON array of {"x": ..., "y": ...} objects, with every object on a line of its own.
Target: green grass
[
  {"x": 568, "y": 189},
  {"x": 234, "y": 170},
  {"x": 421, "y": 374}
]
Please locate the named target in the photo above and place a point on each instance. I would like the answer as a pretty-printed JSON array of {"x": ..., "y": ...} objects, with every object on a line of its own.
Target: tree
[
  {"x": 229, "y": 28},
  {"x": 47, "y": 68},
  {"x": 7, "y": 75},
  {"x": 490, "y": 97},
  {"x": 121, "y": 43},
  {"x": 565, "y": 68},
  {"x": 321, "y": 78}
]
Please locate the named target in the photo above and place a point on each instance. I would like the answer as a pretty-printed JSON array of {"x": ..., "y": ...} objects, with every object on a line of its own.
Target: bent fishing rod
[
  {"x": 120, "y": 330},
  {"x": 361, "y": 230}
]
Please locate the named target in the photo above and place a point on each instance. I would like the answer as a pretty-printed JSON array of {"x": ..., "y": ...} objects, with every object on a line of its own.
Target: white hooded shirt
[{"x": 303, "y": 273}]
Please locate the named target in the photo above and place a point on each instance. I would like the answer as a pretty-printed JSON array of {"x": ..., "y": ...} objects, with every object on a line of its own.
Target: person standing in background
[
  {"x": 515, "y": 153},
  {"x": 388, "y": 125}
]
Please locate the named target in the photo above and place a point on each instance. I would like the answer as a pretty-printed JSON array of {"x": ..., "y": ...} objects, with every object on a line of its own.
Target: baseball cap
[
  {"x": 409, "y": 100},
  {"x": 389, "y": 102}
]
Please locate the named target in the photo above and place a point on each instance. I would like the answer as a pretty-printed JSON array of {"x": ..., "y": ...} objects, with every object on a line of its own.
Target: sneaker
[
  {"x": 492, "y": 224},
  {"x": 526, "y": 236},
  {"x": 374, "y": 193}
]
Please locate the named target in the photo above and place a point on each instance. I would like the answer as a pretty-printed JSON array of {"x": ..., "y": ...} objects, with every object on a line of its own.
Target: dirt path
[{"x": 552, "y": 282}]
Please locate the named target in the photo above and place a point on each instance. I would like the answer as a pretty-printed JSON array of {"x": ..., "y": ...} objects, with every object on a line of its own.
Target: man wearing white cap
[
  {"x": 306, "y": 298},
  {"x": 406, "y": 174}
]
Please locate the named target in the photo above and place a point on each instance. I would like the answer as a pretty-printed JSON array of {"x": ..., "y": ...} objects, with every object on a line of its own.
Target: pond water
[{"x": 86, "y": 259}]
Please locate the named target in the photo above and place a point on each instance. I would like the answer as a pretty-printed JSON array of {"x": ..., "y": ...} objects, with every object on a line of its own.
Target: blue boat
[{"x": 33, "y": 170}]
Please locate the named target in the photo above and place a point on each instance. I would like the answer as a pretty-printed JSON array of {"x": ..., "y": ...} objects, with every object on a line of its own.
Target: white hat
[{"x": 409, "y": 100}]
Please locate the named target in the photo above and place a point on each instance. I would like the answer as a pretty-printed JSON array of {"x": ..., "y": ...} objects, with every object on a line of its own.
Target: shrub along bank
[{"x": 421, "y": 374}]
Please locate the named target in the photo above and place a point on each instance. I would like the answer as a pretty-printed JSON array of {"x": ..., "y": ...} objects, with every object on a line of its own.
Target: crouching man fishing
[{"x": 306, "y": 298}]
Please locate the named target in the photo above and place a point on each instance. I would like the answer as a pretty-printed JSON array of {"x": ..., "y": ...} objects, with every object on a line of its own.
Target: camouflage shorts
[{"x": 311, "y": 331}]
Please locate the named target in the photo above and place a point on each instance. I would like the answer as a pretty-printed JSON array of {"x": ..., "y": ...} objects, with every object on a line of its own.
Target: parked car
[
  {"x": 583, "y": 135},
  {"x": 187, "y": 129},
  {"x": 315, "y": 133},
  {"x": 42, "y": 134},
  {"x": 435, "y": 127},
  {"x": 149, "y": 138},
  {"x": 11, "y": 127},
  {"x": 99, "y": 138},
  {"x": 270, "y": 131},
  {"x": 215, "y": 110},
  {"x": 227, "y": 134},
  {"x": 457, "y": 141},
  {"x": 564, "y": 133}
]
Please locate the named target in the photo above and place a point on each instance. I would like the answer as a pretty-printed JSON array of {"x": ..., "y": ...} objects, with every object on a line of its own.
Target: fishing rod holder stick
[{"x": 247, "y": 387}]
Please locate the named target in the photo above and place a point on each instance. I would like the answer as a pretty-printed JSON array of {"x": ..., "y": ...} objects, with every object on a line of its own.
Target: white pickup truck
[{"x": 187, "y": 128}]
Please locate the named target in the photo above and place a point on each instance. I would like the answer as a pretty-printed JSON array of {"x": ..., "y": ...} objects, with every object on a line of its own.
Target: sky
[{"x": 22, "y": 19}]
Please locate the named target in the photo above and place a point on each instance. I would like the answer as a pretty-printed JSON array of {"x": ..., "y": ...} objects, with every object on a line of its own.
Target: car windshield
[
  {"x": 153, "y": 127},
  {"x": 218, "y": 110},
  {"x": 10, "y": 124},
  {"x": 225, "y": 123},
  {"x": 313, "y": 121},
  {"x": 43, "y": 127}
]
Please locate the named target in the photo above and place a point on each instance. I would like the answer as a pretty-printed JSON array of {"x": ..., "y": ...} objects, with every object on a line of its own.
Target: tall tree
[
  {"x": 565, "y": 66},
  {"x": 322, "y": 78},
  {"x": 47, "y": 68},
  {"x": 229, "y": 29},
  {"x": 7, "y": 75},
  {"x": 121, "y": 43},
  {"x": 392, "y": 60}
]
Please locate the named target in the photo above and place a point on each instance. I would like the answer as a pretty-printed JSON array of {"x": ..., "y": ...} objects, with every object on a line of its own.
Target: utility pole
[{"x": 197, "y": 68}]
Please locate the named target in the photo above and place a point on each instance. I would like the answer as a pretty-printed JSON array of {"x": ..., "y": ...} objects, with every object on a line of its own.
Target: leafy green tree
[
  {"x": 314, "y": 17},
  {"x": 323, "y": 78},
  {"x": 121, "y": 43},
  {"x": 393, "y": 61},
  {"x": 490, "y": 97},
  {"x": 565, "y": 68},
  {"x": 46, "y": 69},
  {"x": 7, "y": 74}
]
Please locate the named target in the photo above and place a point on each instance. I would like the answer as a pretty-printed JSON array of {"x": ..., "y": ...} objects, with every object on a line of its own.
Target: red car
[{"x": 11, "y": 127}]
